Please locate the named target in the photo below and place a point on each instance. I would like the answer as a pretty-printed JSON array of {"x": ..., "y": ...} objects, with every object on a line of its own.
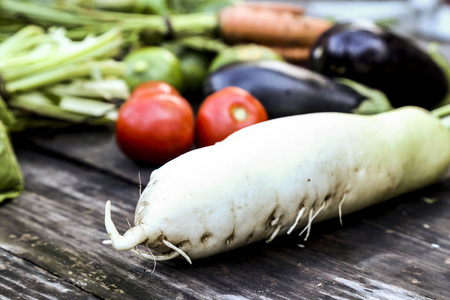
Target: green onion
[
  {"x": 43, "y": 69},
  {"x": 72, "y": 109},
  {"x": 81, "y": 22}
]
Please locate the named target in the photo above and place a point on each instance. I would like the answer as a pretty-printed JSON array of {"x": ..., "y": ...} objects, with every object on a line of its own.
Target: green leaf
[
  {"x": 11, "y": 179},
  {"x": 6, "y": 116}
]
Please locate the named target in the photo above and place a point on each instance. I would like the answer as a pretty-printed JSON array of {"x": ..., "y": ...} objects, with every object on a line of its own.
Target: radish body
[{"x": 282, "y": 175}]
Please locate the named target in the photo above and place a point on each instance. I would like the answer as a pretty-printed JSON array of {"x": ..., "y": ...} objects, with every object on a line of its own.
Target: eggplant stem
[{"x": 443, "y": 113}]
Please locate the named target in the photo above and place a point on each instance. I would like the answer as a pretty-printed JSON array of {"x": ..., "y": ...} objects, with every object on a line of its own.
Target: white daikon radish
[{"x": 280, "y": 176}]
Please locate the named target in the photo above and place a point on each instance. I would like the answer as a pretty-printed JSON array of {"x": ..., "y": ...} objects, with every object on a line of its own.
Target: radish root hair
[
  {"x": 140, "y": 184},
  {"x": 178, "y": 250},
  {"x": 299, "y": 215},
  {"x": 310, "y": 220},
  {"x": 146, "y": 256},
  {"x": 340, "y": 208},
  {"x": 166, "y": 256},
  {"x": 274, "y": 234}
]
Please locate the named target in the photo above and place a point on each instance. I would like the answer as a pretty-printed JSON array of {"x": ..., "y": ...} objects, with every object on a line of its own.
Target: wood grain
[{"x": 57, "y": 227}]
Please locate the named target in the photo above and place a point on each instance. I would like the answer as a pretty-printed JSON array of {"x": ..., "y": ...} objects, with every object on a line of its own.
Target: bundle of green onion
[
  {"x": 138, "y": 20},
  {"x": 46, "y": 74}
]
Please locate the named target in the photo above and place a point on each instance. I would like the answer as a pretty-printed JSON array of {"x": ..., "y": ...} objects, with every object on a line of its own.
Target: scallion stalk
[
  {"x": 45, "y": 64},
  {"x": 71, "y": 53},
  {"x": 81, "y": 22},
  {"x": 109, "y": 67},
  {"x": 71, "y": 109}
]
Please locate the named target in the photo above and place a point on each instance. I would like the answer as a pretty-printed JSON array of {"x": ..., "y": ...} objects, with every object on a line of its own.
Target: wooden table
[{"x": 51, "y": 240}]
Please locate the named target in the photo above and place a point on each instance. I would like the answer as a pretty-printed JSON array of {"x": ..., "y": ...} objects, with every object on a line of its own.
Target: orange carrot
[
  {"x": 293, "y": 54},
  {"x": 243, "y": 24}
]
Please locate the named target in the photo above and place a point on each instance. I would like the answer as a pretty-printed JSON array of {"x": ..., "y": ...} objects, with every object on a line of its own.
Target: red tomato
[
  {"x": 155, "y": 129},
  {"x": 225, "y": 112},
  {"x": 153, "y": 87}
]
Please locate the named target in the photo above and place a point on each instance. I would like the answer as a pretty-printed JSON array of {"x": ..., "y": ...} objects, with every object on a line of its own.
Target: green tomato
[
  {"x": 194, "y": 66},
  {"x": 153, "y": 63}
]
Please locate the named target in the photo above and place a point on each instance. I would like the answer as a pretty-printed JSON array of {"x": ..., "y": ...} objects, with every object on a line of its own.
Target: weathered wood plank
[
  {"x": 390, "y": 240},
  {"x": 95, "y": 147},
  {"x": 67, "y": 232},
  {"x": 22, "y": 280},
  {"x": 404, "y": 260},
  {"x": 63, "y": 207}
]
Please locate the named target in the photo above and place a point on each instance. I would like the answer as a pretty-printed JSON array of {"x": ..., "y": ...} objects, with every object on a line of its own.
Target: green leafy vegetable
[
  {"x": 6, "y": 116},
  {"x": 11, "y": 179}
]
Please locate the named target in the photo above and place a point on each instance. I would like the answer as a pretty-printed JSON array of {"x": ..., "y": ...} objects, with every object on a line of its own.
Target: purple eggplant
[
  {"x": 285, "y": 89},
  {"x": 381, "y": 59}
]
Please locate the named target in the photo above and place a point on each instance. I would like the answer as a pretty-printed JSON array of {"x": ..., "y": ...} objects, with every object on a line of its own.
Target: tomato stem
[{"x": 239, "y": 113}]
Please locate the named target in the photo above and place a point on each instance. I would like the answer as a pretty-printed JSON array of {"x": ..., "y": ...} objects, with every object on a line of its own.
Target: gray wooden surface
[{"x": 51, "y": 240}]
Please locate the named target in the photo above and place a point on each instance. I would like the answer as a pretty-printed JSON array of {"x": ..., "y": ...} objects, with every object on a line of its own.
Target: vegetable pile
[
  {"x": 316, "y": 158},
  {"x": 79, "y": 62},
  {"x": 281, "y": 119}
]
